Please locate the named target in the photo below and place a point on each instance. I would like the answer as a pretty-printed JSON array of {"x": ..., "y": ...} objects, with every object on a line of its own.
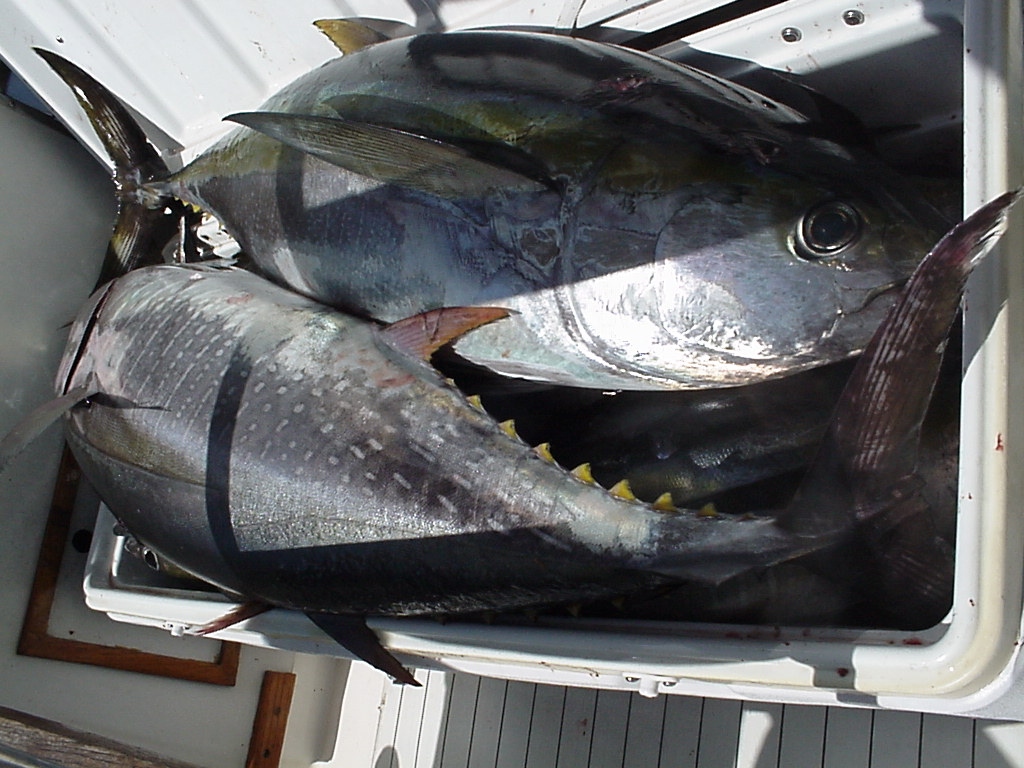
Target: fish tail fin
[
  {"x": 867, "y": 460},
  {"x": 147, "y": 216}
]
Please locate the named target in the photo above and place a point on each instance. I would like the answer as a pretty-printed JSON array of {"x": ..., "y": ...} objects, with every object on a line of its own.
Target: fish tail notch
[{"x": 148, "y": 215}]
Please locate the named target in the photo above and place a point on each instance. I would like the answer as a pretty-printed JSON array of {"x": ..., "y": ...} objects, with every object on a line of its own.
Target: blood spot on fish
[
  {"x": 913, "y": 641},
  {"x": 999, "y": 442},
  {"x": 624, "y": 84}
]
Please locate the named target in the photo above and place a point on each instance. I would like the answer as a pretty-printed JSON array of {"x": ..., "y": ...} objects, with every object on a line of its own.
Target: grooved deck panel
[{"x": 457, "y": 720}]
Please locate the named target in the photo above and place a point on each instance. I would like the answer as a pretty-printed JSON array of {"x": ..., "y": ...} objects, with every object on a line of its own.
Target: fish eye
[{"x": 827, "y": 229}]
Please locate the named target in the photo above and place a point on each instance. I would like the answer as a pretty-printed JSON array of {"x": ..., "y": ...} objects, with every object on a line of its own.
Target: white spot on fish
[
  {"x": 402, "y": 481},
  {"x": 327, "y": 428},
  {"x": 282, "y": 425},
  {"x": 370, "y": 476},
  {"x": 259, "y": 387},
  {"x": 299, "y": 408},
  {"x": 308, "y": 456},
  {"x": 282, "y": 389},
  {"x": 333, "y": 460},
  {"x": 298, "y": 376},
  {"x": 292, "y": 444},
  {"x": 316, "y": 392},
  {"x": 357, "y": 452},
  {"x": 461, "y": 481},
  {"x": 374, "y": 445},
  {"x": 447, "y": 504},
  {"x": 267, "y": 407}
]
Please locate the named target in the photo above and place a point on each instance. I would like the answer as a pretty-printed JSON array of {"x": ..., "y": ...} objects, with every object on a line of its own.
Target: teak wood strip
[
  {"x": 271, "y": 719},
  {"x": 29, "y": 740},
  {"x": 36, "y": 641}
]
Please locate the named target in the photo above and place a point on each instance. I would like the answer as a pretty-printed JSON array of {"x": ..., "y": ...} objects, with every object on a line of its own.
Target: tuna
[
  {"x": 649, "y": 225},
  {"x": 295, "y": 456}
]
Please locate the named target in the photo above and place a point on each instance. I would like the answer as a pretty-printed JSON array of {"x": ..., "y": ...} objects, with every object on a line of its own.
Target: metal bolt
[
  {"x": 853, "y": 17},
  {"x": 791, "y": 34}
]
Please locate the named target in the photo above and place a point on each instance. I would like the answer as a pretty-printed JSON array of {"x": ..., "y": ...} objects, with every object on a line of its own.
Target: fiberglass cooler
[{"x": 950, "y": 67}]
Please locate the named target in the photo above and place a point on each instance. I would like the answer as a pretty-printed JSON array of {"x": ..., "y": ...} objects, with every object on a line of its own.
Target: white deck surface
[{"x": 458, "y": 720}]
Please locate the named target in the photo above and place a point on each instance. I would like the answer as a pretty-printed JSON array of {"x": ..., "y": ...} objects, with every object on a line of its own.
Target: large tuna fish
[
  {"x": 650, "y": 225},
  {"x": 299, "y": 457}
]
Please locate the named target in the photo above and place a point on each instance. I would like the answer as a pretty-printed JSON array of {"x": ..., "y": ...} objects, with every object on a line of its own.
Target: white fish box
[{"x": 898, "y": 62}]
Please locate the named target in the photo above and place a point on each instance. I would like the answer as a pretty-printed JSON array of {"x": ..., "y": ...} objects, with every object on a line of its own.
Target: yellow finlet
[
  {"x": 582, "y": 472},
  {"x": 574, "y": 610},
  {"x": 664, "y": 503},
  {"x": 509, "y": 428},
  {"x": 349, "y": 36},
  {"x": 622, "y": 490},
  {"x": 476, "y": 402},
  {"x": 708, "y": 510},
  {"x": 544, "y": 451}
]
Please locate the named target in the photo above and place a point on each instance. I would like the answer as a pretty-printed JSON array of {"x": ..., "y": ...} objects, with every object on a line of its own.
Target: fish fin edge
[
  {"x": 391, "y": 155},
  {"x": 423, "y": 334},
  {"x": 357, "y": 33},
  {"x": 352, "y": 633}
]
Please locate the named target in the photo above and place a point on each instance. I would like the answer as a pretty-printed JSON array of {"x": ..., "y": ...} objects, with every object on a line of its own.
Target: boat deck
[{"x": 458, "y": 720}]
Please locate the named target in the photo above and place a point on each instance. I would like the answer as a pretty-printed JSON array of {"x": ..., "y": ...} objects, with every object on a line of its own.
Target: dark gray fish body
[
  {"x": 653, "y": 226},
  {"x": 287, "y": 453}
]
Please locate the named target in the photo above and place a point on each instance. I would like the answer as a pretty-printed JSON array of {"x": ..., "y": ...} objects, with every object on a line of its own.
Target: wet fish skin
[
  {"x": 283, "y": 454},
  {"x": 640, "y": 216}
]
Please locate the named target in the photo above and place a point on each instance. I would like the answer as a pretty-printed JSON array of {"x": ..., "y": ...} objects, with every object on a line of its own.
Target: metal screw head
[
  {"x": 853, "y": 17},
  {"x": 791, "y": 34}
]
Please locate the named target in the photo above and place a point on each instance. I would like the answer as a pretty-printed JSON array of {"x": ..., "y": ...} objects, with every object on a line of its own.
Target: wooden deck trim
[
  {"x": 36, "y": 641},
  {"x": 268, "y": 727}
]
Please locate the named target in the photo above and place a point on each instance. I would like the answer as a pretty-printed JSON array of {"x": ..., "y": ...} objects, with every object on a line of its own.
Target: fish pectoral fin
[
  {"x": 236, "y": 615},
  {"x": 395, "y": 156},
  {"x": 351, "y": 633},
  {"x": 351, "y": 35},
  {"x": 36, "y": 422},
  {"x": 873, "y": 440},
  {"x": 423, "y": 334}
]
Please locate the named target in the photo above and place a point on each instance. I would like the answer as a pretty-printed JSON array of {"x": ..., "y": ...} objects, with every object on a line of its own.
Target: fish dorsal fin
[
  {"x": 351, "y": 35},
  {"x": 423, "y": 334},
  {"x": 870, "y": 450},
  {"x": 351, "y": 633},
  {"x": 390, "y": 155},
  {"x": 36, "y": 422}
]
